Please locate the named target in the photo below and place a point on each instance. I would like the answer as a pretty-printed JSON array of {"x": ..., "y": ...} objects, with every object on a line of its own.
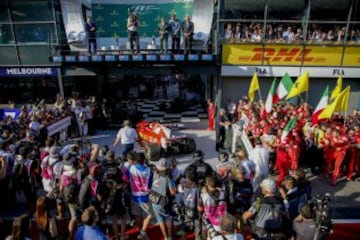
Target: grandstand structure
[
  {"x": 43, "y": 46},
  {"x": 272, "y": 37}
]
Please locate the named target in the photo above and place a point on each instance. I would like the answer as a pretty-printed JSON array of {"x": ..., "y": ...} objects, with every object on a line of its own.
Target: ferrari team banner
[{"x": 289, "y": 55}]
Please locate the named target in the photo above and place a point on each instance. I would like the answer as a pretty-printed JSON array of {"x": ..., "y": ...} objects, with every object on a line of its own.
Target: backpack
[
  {"x": 107, "y": 204},
  {"x": 19, "y": 174},
  {"x": 111, "y": 170},
  {"x": 70, "y": 192},
  {"x": 271, "y": 214},
  {"x": 155, "y": 195},
  {"x": 88, "y": 191},
  {"x": 70, "y": 188},
  {"x": 112, "y": 176}
]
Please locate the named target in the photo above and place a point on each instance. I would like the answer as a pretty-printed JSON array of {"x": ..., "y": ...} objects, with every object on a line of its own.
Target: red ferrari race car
[{"x": 159, "y": 140}]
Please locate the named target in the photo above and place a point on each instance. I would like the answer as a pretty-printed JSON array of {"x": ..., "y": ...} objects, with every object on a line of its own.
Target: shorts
[
  {"x": 162, "y": 214},
  {"x": 141, "y": 209},
  {"x": 74, "y": 211}
]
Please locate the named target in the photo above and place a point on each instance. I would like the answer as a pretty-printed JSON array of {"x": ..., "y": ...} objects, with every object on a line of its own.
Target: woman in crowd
[{"x": 20, "y": 228}]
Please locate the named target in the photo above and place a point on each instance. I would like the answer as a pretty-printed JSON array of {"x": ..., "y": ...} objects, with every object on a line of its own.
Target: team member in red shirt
[
  {"x": 340, "y": 143},
  {"x": 325, "y": 144},
  {"x": 353, "y": 152},
  {"x": 282, "y": 159},
  {"x": 294, "y": 149},
  {"x": 211, "y": 114}
]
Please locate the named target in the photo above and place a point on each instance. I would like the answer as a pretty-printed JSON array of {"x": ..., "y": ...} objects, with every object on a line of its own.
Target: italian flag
[
  {"x": 289, "y": 126},
  {"x": 321, "y": 106},
  {"x": 283, "y": 88},
  {"x": 269, "y": 99}
]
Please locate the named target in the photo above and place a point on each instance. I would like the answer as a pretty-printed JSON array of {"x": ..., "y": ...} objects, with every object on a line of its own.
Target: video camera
[{"x": 321, "y": 207}]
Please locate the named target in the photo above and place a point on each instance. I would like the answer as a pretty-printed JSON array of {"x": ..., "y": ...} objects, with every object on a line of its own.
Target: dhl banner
[
  {"x": 352, "y": 57},
  {"x": 284, "y": 55}
]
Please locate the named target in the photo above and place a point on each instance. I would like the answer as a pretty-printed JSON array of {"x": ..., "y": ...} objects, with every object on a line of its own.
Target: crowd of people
[
  {"x": 322, "y": 146},
  {"x": 72, "y": 190},
  {"x": 289, "y": 33}
]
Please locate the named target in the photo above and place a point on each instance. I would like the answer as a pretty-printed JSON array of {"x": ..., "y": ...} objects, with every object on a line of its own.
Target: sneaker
[
  {"x": 132, "y": 223},
  {"x": 180, "y": 233},
  {"x": 142, "y": 236}
]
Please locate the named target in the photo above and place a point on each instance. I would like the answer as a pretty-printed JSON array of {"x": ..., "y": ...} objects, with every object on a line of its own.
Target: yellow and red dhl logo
[
  {"x": 287, "y": 55},
  {"x": 290, "y": 55},
  {"x": 282, "y": 55}
]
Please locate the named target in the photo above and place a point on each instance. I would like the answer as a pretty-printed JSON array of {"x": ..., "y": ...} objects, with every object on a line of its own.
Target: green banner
[{"x": 110, "y": 19}]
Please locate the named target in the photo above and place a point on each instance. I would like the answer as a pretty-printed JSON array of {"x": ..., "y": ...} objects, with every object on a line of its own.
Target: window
[
  {"x": 329, "y": 10},
  {"x": 244, "y": 9},
  {"x": 25, "y": 11},
  {"x": 353, "y": 35},
  {"x": 356, "y": 11},
  {"x": 287, "y": 10},
  {"x": 34, "y": 54},
  {"x": 8, "y": 55},
  {"x": 28, "y": 89},
  {"x": 4, "y": 16},
  {"x": 34, "y": 33},
  {"x": 6, "y": 36}
]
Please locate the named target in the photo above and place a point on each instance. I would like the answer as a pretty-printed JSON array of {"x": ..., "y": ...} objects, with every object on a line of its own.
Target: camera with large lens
[
  {"x": 321, "y": 207},
  {"x": 178, "y": 211}
]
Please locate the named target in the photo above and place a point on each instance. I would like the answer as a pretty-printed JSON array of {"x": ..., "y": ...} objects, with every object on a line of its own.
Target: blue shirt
[
  {"x": 89, "y": 233},
  {"x": 141, "y": 168}
]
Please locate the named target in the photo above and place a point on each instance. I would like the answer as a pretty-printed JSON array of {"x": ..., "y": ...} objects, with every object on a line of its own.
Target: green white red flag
[
  {"x": 289, "y": 126},
  {"x": 324, "y": 100},
  {"x": 269, "y": 99},
  {"x": 283, "y": 88}
]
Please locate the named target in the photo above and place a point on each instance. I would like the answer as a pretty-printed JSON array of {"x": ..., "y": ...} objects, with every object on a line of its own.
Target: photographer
[
  {"x": 304, "y": 225},
  {"x": 213, "y": 204},
  {"x": 228, "y": 229},
  {"x": 112, "y": 192},
  {"x": 190, "y": 201},
  {"x": 200, "y": 168},
  {"x": 132, "y": 27},
  {"x": 163, "y": 190},
  {"x": 266, "y": 213}
]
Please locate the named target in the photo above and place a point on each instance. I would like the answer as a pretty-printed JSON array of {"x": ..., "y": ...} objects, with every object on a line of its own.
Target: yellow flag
[
  {"x": 340, "y": 103},
  {"x": 337, "y": 88},
  {"x": 301, "y": 85},
  {"x": 344, "y": 100},
  {"x": 254, "y": 86}
]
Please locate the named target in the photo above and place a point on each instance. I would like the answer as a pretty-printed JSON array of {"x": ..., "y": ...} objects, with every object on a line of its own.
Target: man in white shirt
[
  {"x": 126, "y": 137},
  {"x": 260, "y": 156}
]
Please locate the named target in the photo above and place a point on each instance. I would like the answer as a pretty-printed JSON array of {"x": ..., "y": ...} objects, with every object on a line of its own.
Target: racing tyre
[
  {"x": 190, "y": 146},
  {"x": 152, "y": 152}
]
